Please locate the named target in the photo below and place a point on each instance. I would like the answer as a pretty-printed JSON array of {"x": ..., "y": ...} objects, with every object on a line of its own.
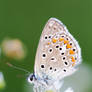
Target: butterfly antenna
[{"x": 18, "y": 68}]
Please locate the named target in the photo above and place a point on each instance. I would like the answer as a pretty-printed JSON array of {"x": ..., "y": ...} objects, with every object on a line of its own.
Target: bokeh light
[
  {"x": 13, "y": 48},
  {"x": 80, "y": 81},
  {"x": 2, "y": 81}
]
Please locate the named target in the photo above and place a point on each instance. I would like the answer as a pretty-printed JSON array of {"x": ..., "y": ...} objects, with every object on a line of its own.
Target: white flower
[
  {"x": 2, "y": 82},
  {"x": 69, "y": 90}
]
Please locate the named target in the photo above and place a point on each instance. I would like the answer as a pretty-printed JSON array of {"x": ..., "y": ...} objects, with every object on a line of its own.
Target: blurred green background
[{"x": 25, "y": 19}]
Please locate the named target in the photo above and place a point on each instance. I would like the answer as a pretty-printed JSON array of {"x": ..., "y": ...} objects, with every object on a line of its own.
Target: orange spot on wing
[
  {"x": 48, "y": 43},
  {"x": 73, "y": 64},
  {"x": 73, "y": 59},
  {"x": 68, "y": 46},
  {"x": 61, "y": 39},
  {"x": 54, "y": 40},
  {"x": 66, "y": 41},
  {"x": 71, "y": 52}
]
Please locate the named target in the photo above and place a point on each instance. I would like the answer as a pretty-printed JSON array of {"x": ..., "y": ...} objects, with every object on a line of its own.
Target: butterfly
[{"x": 58, "y": 54}]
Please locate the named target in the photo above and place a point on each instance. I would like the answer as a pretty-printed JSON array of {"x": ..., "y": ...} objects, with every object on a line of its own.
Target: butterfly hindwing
[{"x": 58, "y": 52}]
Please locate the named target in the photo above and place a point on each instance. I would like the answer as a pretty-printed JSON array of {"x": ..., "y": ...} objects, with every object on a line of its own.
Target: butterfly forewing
[{"x": 57, "y": 53}]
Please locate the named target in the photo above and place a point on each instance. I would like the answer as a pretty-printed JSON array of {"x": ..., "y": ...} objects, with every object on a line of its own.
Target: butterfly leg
[
  {"x": 39, "y": 89},
  {"x": 35, "y": 89}
]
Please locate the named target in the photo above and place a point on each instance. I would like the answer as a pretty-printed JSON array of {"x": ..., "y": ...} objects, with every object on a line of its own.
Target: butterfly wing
[{"x": 57, "y": 53}]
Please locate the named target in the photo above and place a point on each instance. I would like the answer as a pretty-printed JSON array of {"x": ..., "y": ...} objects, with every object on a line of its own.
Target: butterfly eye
[
  {"x": 42, "y": 66},
  {"x": 31, "y": 78}
]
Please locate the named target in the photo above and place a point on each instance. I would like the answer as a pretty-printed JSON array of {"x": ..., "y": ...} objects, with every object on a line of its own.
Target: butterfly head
[{"x": 31, "y": 78}]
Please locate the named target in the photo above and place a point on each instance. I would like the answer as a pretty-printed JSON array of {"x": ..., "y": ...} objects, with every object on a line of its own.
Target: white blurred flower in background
[
  {"x": 2, "y": 81},
  {"x": 69, "y": 90},
  {"x": 80, "y": 81},
  {"x": 13, "y": 48}
]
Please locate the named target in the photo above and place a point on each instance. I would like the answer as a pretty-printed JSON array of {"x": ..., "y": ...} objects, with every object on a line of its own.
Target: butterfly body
[
  {"x": 57, "y": 54},
  {"x": 44, "y": 85}
]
